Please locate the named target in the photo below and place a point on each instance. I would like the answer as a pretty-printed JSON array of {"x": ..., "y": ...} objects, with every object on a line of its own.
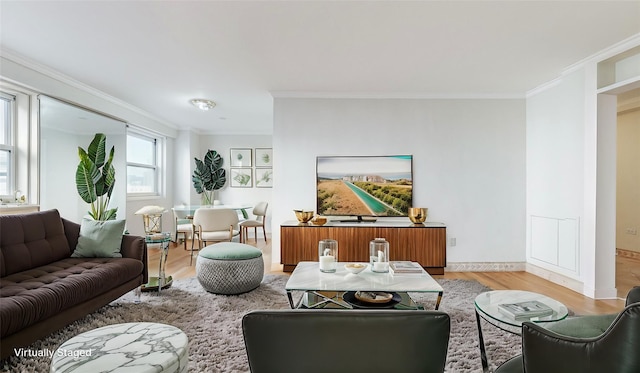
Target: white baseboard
[
  {"x": 569, "y": 283},
  {"x": 485, "y": 267}
]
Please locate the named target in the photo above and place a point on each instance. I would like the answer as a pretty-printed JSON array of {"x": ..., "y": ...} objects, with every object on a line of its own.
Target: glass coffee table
[
  {"x": 330, "y": 289},
  {"x": 486, "y": 306}
]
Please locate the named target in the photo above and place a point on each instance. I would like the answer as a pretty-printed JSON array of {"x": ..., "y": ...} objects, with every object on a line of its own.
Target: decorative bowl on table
[
  {"x": 319, "y": 220},
  {"x": 418, "y": 214},
  {"x": 355, "y": 268},
  {"x": 303, "y": 216},
  {"x": 374, "y": 296}
]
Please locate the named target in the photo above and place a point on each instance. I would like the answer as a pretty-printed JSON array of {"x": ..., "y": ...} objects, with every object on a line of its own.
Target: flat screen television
[{"x": 364, "y": 186}]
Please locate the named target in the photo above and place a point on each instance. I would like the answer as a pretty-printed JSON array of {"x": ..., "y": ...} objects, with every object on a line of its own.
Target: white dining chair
[
  {"x": 260, "y": 211},
  {"x": 213, "y": 225},
  {"x": 183, "y": 224}
]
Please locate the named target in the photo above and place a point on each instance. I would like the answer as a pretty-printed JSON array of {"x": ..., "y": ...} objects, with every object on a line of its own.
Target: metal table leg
[{"x": 483, "y": 352}]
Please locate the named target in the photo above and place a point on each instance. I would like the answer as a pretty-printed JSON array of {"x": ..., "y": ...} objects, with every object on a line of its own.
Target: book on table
[
  {"x": 405, "y": 266},
  {"x": 525, "y": 310}
]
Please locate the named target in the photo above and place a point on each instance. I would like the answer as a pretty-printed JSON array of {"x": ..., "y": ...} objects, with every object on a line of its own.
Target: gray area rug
[{"x": 213, "y": 324}]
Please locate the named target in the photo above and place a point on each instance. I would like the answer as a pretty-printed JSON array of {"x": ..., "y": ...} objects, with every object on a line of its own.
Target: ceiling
[{"x": 156, "y": 55}]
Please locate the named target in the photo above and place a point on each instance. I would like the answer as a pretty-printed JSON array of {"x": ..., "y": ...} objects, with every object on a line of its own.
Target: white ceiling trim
[
  {"x": 51, "y": 73},
  {"x": 394, "y": 95}
]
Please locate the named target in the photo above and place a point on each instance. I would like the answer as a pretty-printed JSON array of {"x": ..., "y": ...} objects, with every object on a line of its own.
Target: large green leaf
[
  {"x": 213, "y": 160},
  {"x": 201, "y": 177},
  {"x": 87, "y": 174},
  {"x": 95, "y": 178},
  {"x": 109, "y": 214},
  {"x": 219, "y": 179},
  {"x": 208, "y": 175},
  {"x": 107, "y": 177},
  {"x": 96, "y": 149}
]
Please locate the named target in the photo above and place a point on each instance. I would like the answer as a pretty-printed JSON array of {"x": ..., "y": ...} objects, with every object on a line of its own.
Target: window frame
[
  {"x": 158, "y": 145},
  {"x": 10, "y": 144}
]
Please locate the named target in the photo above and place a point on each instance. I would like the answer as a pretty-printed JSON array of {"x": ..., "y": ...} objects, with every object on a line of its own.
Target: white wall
[
  {"x": 469, "y": 162},
  {"x": 555, "y": 175}
]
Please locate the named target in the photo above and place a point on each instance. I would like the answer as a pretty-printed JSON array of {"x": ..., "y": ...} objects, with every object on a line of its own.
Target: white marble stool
[{"x": 132, "y": 347}]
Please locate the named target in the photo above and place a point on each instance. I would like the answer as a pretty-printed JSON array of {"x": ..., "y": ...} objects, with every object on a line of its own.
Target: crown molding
[
  {"x": 67, "y": 80},
  {"x": 396, "y": 95},
  {"x": 602, "y": 55}
]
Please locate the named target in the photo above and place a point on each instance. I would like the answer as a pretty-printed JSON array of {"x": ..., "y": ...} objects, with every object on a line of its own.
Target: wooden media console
[{"x": 425, "y": 244}]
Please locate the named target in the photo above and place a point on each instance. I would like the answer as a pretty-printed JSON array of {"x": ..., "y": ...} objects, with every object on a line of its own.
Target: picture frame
[
  {"x": 240, "y": 178},
  {"x": 240, "y": 157},
  {"x": 264, "y": 177},
  {"x": 264, "y": 157}
]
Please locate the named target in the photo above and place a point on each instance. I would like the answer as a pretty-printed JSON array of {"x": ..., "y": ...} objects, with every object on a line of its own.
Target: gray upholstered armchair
[
  {"x": 321, "y": 341},
  {"x": 584, "y": 344}
]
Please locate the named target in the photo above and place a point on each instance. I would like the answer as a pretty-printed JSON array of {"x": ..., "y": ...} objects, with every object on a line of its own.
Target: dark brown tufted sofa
[{"x": 43, "y": 289}]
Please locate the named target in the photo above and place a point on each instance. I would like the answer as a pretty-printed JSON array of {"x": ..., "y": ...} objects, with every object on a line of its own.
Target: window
[
  {"x": 142, "y": 163},
  {"x": 7, "y": 103}
]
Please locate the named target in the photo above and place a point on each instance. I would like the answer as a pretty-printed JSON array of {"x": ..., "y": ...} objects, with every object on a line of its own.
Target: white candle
[
  {"x": 327, "y": 263},
  {"x": 380, "y": 267},
  {"x": 380, "y": 256}
]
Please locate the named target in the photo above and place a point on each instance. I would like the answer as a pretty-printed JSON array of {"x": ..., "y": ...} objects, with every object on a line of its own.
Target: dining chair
[
  {"x": 213, "y": 225},
  {"x": 183, "y": 224},
  {"x": 260, "y": 211}
]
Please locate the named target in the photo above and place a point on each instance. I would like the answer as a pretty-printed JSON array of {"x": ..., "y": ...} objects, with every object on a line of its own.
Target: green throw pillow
[{"x": 99, "y": 239}]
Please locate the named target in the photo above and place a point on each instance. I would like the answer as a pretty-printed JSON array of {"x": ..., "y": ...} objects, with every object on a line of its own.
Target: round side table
[{"x": 487, "y": 307}]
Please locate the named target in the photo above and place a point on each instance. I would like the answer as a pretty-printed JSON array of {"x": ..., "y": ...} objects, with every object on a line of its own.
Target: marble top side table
[{"x": 131, "y": 347}]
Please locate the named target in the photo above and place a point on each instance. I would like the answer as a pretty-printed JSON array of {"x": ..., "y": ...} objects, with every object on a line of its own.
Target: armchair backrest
[
  {"x": 614, "y": 351},
  {"x": 260, "y": 210},
  {"x": 633, "y": 296},
  {"x": 320, "y": 341},
  {"x": 213, "y": 220}
]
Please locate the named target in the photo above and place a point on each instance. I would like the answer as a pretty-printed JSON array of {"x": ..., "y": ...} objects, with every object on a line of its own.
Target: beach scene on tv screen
[{"x": 364, "y": 186}]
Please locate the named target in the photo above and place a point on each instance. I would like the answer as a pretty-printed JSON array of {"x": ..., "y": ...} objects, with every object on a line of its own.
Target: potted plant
[
  {"x": 209, "y": 176},
  {"x": 96, "y": 177}
]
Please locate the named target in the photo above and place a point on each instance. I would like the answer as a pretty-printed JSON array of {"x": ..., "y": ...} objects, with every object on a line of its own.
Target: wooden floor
[{"x": 628, "y": 275}]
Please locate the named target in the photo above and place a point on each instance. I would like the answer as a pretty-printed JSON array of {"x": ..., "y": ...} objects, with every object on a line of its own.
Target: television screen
[{"x": 364, "y": 185}]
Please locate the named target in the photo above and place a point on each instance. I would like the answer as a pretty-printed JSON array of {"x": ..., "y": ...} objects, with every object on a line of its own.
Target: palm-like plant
[
  {"x": 209, "y": 176},
  {"x": 96, "y": 177}
]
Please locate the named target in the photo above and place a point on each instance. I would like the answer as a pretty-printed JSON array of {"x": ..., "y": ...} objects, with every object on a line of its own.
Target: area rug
[{"x": 213, "y": 324}]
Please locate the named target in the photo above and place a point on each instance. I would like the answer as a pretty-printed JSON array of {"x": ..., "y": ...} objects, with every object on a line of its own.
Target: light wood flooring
[{"x": 628, "y": 275}]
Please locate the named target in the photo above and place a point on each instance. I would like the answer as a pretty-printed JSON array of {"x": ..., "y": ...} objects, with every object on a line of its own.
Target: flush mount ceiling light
[{"x": 203, "y": 104}]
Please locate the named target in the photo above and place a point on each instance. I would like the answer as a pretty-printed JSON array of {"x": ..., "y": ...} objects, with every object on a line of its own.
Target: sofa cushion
[
  {"x": 36, "y": 294},
  {"x": 99, "y": 239},
  {"x": 31, "y": 240}
]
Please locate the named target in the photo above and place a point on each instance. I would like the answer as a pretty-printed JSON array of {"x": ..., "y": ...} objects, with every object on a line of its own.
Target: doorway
[{"x": 627, "y": 191}]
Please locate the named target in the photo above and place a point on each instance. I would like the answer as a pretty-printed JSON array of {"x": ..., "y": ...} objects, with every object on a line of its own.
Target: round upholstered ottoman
[
  {"x": 229, "y": 268},
  {"x": 140, "y": 347}
]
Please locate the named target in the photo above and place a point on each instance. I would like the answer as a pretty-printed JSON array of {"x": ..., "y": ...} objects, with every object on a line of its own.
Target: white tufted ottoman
[
  {"x": 139, "y": 347},
  {"x": 229, "y": 268}
]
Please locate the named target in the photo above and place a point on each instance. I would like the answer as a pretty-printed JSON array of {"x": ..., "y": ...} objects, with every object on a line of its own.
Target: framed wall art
[
  {"x": 241, "y": 178},
  {"x": 264, "y": 177},
  {"x": 240, "y": 157},
  {"x": 264, "y": 157}
]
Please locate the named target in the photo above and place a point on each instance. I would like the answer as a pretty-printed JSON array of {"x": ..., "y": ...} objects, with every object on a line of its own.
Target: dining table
[{"x": 189, "y": 210}]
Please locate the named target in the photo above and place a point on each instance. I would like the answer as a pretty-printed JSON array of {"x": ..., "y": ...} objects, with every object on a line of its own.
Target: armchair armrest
[{"x": 615, "y": 350}]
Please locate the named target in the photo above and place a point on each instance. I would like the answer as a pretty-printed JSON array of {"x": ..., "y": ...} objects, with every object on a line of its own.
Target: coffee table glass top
[
  {"x": 487, "y": 304},
  {"x": 307, "y": 276}
]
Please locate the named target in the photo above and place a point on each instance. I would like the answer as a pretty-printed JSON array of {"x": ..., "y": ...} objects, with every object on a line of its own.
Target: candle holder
[
  {"x": 379, "y": 255},
  {"x": 328, "y": 255}
]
